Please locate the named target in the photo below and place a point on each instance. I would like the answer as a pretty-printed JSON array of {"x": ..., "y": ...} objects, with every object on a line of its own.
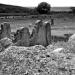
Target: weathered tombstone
[
  {"x": 39, "y": 36},
  {"x": 5, "y": 30},
  {"x": 23, "y": 37},
  {"x": 34, "y": 34},
  {"x": 48, "y": 32}
]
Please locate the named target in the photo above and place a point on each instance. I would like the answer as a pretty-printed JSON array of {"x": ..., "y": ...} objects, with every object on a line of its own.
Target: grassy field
[{"x": 63, "y": 23}]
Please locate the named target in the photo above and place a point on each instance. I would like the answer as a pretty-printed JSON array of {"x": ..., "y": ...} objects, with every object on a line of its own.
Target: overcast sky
[{"x": 33, "y": 3}]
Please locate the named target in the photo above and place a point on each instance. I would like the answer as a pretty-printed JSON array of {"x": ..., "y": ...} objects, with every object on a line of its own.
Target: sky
[{"x": 34, "y": 3}]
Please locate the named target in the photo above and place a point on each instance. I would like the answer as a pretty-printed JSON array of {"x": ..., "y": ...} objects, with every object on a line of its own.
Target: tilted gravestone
[
  {"x": 5, "y": 30},
  {"x": 23, "y": 37}
]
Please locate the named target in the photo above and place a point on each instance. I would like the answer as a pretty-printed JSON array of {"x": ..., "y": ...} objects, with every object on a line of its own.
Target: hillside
[
  {"x": 15, "y": 9},
  {"x": 27, "y": 10}
]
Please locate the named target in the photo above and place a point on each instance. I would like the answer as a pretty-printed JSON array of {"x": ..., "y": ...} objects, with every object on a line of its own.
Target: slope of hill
[
  {"x": 15, "y": 9},
  {"x": 27, "y": 10}
]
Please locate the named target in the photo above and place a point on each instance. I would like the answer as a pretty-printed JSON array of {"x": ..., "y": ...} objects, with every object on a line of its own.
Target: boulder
[
  {"x": 6, "y": 42},
  {"x": 5, "y": 30},
  {"x": 72, "y": 38},
  {"x": 58, "y": 50}
]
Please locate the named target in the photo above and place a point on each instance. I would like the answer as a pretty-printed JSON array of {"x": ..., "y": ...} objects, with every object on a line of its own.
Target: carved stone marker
[
  {"x": 23, "y": 37},
  {"x": 41, "y": 34},
  {"x": 5, "y": 30}
]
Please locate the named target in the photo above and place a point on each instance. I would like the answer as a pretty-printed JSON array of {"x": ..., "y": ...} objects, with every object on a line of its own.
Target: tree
[
  {"x": 43, "y": 8},
  {"x": 73, "y": 9}
]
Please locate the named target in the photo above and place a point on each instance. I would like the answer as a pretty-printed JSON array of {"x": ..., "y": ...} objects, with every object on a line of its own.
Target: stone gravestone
[
  {"x": 35, "y": 32},
  {"x": 39, "y": 35},
  {"x": 48, "y": 32},
  {"x": 5, "y": 30},
  {"x": 23, "y": 37}
]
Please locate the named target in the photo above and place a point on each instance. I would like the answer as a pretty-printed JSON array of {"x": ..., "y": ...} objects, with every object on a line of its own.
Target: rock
[
  {"x": 5, "y": 30},
  {"x": 58, "y": 50},
  {"x": 72, "y": 38},
  {"x": 39, "y": 47},
  {"x": 23, "y": 37},
  {"x": 6, "y": 42}
]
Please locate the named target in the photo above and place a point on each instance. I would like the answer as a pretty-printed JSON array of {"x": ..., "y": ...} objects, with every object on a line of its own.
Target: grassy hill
[
  {"x": 18, "y": 10},
  {"x": 11, "y": 9}
]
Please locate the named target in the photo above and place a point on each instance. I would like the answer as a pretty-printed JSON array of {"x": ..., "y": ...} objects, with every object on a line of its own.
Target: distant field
[{"x": 63, "y": 23}]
